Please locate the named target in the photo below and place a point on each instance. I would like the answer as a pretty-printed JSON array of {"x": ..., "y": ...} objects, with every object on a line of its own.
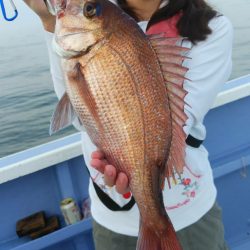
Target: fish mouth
[
  {"x": 72, "y": 34},
  {"x": 67, "y": 54}
]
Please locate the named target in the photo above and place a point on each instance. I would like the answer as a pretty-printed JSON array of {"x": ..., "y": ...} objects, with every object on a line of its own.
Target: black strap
[
  {"x": 193, "y": 142},
  {"x": 109, "y": 203},
  {"x": 112, "y": 205}
]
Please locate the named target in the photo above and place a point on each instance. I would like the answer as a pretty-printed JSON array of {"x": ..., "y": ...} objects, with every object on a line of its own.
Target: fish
[{"x": 126, "y": 89}]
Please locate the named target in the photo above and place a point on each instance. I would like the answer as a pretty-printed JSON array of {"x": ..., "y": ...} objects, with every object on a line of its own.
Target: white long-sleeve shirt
[{"x": 194, "y": 193}]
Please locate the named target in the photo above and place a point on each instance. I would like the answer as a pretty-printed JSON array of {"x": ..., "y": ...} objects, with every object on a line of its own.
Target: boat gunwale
[{"x": 48, "y": 154}]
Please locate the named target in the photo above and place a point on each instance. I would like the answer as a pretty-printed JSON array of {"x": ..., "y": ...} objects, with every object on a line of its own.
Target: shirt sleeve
[
  {"x": 55, "y": 67},
  {"x": 57, "y": 74},
  {"x": 209, "y": 68}
]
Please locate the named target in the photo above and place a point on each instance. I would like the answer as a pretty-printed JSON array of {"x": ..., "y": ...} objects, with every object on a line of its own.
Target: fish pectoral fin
[
  {"x": 63, "y": 115},
  {"x": 171, "y": 56}
]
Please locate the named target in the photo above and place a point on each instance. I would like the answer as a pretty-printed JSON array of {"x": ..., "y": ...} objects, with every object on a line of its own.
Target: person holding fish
[{"x": 142, "y": 100}]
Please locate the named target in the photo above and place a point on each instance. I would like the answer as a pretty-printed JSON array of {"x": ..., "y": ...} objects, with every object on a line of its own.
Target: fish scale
[
  {"x": 98, "y": 86},
  {"x": 109, "y": 85}
]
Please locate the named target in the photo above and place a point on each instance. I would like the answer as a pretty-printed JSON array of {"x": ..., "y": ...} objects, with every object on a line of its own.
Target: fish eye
[{"x": 89, "y": 9}]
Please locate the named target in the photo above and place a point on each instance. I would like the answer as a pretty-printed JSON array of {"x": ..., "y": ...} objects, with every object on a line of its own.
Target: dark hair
[{"x": 194, "y": 20}]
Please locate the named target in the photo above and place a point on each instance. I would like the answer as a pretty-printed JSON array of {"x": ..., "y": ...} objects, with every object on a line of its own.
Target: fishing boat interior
[{"x": 35, "y": 181}]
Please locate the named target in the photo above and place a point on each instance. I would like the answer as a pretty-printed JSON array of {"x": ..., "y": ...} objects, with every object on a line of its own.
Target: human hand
[
  {"x": 39, "y": 7},
  {"x": 111, "y": 178}
]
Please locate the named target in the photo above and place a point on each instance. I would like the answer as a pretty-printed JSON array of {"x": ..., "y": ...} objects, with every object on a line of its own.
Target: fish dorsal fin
[
  {"x": 171, "y": 57},
  {"x": 63, "y": 115}
]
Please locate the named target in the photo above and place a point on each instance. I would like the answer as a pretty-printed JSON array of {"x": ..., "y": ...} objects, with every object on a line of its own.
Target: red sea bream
[{"x": 130, "y": 101}]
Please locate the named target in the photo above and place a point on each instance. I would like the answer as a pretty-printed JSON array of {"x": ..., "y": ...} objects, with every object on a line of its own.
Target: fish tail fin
[{"x": 151, "y": 239}]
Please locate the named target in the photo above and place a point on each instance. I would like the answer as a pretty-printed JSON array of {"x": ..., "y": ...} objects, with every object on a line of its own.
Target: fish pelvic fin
[
  {"x": 63, "y": 115},
  {"x": 151, "y": 239},
  {"x": 171, "y": 55}
]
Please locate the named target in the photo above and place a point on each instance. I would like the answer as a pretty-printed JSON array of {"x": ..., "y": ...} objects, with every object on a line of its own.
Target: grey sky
[
  {"x": 26, "y": 23},
  {"x": 24, "y": 20}
]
